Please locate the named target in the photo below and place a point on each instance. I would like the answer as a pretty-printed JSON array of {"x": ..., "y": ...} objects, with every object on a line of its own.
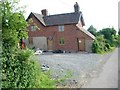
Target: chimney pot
[
  {"x": 76, "y": 7},
  {"x": 44, "y": 12}
]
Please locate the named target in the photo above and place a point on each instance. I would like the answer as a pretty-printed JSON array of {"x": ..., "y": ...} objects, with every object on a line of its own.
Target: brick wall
[{"x": 70, "y": 35}]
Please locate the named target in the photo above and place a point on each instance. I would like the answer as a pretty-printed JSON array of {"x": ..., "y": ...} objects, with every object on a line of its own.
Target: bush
[
  {"x": 100, "y": 45},
  {"x": 95, "y": 47},
  {"x": 23, "y": 71},
  {"x": 107, "y": 45},
  {"x": 20, "y": 69}
]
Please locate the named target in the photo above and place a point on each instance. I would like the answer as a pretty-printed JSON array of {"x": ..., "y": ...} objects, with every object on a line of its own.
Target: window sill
[
  {"x": 61, "y": 44},
  {"x": 61, "y": 31}
]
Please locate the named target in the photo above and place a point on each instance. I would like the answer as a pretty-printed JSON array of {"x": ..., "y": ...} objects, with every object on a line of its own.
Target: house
[{"x": 60, "y": 31}]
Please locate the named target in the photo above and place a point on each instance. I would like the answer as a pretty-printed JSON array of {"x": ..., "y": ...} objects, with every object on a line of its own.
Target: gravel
[{"x": 82, "y": 66}]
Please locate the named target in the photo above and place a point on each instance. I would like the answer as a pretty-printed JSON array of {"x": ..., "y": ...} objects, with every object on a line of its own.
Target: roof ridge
[
  {"x": 58, "y": 19},
  {"x": 62, "y": 14},
  {"x": 57, "y": 14}
]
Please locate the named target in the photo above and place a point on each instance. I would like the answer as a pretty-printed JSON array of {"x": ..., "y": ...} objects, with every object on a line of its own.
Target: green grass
[
  {"x": 58, "y": 81},
  {"x": 61, "y": 80},
  {"x": 109, "y": 51}
]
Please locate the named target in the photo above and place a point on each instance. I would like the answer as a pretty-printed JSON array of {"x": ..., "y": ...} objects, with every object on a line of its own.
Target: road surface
[{"x": 108, "y": 78}]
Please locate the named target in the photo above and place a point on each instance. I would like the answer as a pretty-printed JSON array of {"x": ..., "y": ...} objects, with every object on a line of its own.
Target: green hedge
[{"x": 23, "y": 71}]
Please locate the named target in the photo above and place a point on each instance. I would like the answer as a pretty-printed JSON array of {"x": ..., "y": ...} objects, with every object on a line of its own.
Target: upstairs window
[
  {"x": 61, "y": 28},
  {"x": 33, "y": 28},
  {"x": 61, "y": 41}
]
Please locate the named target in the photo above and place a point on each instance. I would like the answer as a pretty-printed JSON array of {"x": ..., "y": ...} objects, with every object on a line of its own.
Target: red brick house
[{"x": 60, "y": 31}]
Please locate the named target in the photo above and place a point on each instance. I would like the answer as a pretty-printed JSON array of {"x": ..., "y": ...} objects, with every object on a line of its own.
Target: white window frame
[
  {"x": 33, "y": 28},
  {"x": 61, "y": 28}
]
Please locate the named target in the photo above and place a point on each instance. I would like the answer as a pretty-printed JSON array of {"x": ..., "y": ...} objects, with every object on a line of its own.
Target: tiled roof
[
  {"x": 86, "y": 32},
  {"x": 67, "y": 18},
  {"x": 60, "y": 19},
  {"x": 40, "y": 18}
]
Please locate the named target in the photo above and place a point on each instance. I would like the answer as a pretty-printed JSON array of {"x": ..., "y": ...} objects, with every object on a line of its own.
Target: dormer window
[
  {"x": 61, "y": 28},
  {"x": 33, "y": 28}
]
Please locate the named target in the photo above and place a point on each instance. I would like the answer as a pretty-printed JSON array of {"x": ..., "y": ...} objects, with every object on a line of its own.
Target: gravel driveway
[{"x": 82, "y": 66}]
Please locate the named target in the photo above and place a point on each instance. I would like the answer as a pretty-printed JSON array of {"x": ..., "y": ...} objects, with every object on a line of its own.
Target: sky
[{"x": 99, "y": 13}]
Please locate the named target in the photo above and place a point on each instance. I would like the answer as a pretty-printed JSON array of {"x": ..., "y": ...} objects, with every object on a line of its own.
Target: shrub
[
  {"x": 100, "y": 45},
  {"x": 23, "y": 71},
  {"x": 107, "y": 45},
  {"x": 95, "y": 46},
  {"x": 20, "y": 69}
]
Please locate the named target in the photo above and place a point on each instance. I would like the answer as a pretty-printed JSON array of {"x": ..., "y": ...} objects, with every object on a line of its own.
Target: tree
[
  {"x": 99, "y": 44},
  {"x": 108, "y": 33},
  {"x": 20, "y": 69},
  {"x": 13, "y": 25},
  {"x": 92, "y": 30}
]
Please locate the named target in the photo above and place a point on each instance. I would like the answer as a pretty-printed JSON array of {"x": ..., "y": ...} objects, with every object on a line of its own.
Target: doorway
[
  {"x": 81, "y": 44},
  {"x": 50, "y": 44}
]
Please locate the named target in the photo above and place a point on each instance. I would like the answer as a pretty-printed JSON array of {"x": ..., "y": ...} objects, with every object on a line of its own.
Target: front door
[
  {"x": 81, "y": 44},
  {"x": 50, "y": 44}
]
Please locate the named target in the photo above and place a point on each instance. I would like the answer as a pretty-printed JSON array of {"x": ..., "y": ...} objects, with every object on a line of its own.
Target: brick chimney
[
  {"x": 44, "y": 12},
  {"x": 76, "y": 7}
]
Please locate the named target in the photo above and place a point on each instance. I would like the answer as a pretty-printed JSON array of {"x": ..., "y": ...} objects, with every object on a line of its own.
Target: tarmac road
[{"x": 108, "y": 78}]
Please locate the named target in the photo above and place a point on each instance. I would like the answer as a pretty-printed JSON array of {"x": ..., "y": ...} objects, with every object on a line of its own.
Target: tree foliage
[
  {"x": 13, "y": 25},
  {"x": 105, "y": 40},
  {"x": 92, "y": 30},
  {"x": 108, "y": 33},
  {"x": 100, "y": 45},
  {"x": 19, "y": 68}
]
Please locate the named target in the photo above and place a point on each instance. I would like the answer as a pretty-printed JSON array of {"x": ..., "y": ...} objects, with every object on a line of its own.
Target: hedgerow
[
  {"x": 23, "y": 71},
  {"x": 20, "y": 69}
]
